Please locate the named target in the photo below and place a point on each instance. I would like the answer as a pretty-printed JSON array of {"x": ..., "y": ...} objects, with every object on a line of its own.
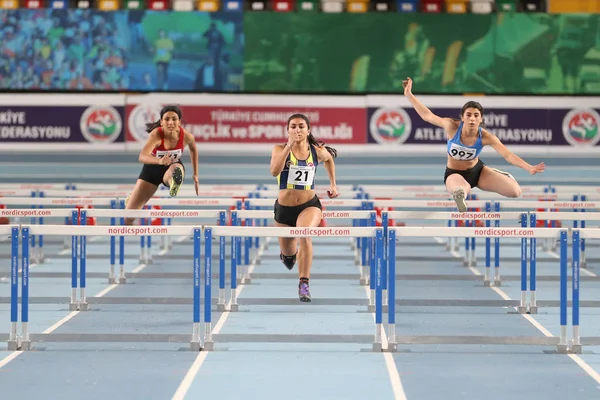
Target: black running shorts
[
  {"x": 471, "y": 175},
  {"x": 288, "y": 215},
  {"x": 154, "y": 173}
]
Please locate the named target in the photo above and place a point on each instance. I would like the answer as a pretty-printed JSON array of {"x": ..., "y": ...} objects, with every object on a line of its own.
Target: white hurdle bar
[
  {"x": 359, "y": 217},
  {"x": 37, "y": 217},
  {"x": 549, "y": 244},
  {"x": 145, "y": 250},
  {"x": 562, "y": 234},
  {"x": 312, "y": 232},
  {"x": 79, "y": 258},
  {"x": 469, "y": 259}
]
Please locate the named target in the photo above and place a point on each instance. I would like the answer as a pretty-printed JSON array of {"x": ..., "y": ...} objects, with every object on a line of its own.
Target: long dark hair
[
  {"x": 153, "y": 125},
  {"x": 311, "y": 138}
]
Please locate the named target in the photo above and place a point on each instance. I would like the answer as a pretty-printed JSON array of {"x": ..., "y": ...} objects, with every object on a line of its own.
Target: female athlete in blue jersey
[
  {"x": 466, "y": 138},
  {"x": 294, "y": 164}
]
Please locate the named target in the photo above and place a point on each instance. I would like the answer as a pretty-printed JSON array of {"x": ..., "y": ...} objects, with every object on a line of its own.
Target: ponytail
[
  {"x": 314, "y": 142},
  {"x": 152, "y": 126}
]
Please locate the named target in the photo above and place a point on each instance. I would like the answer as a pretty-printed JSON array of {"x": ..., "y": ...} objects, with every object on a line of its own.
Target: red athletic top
[{"x": 174, "y": 153}]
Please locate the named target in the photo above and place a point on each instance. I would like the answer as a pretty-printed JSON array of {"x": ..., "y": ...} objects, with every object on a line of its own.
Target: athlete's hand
[
  {"x": 537, "y": 169},
  {"x": 196, "y": 183},
  {"x": 332, "y": 192},
  {"x": 291, "y": 141},
  {"x": 407, "y": 85},
  {"x": 165, "y": 160}
]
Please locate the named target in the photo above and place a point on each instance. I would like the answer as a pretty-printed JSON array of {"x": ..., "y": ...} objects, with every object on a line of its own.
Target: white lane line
[
  {"x": 585, "y": 366},
  {"x": 392, "y": 368},
  {"x": 54, "y": 327},
  {"x": 578, "y": 360},
  {"x": 187, "y": 381},
  {"x": 584, "y": 271}
]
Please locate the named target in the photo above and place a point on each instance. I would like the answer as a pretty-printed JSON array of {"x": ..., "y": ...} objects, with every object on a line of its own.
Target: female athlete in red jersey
[{"x": 161, "y": 157}]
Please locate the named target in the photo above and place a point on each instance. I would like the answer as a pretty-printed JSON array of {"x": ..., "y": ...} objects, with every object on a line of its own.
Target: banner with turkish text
[
  {"x": 61, "y": 124},
  {"x": 579, "y": 127},
  {"x": 253, "y": 124}
]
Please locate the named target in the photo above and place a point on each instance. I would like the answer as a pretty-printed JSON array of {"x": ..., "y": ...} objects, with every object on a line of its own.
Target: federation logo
[
  {"x": 100, "y": 124},
  {"x": 141, "y": 115},
  {"x": 581, "y": 127},
  {"x": 390, "y": 126}
]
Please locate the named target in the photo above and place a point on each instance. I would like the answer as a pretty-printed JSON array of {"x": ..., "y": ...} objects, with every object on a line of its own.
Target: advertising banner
[
  {"x": 496, "y": 53},
  {"x": 579, "y": 127},
  {"x": 98, "y": 124},
  {"x": 242, "y": 122}
]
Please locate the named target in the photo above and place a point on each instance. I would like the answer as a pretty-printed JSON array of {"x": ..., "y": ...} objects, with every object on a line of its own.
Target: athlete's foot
[
  {"x": 459, "y": 199},
  {"x": 175, "y": 182},
  {"x": 304, "y": 292}
]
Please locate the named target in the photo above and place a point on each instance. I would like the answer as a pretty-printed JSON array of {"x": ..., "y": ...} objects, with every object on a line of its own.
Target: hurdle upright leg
[
  {"x": 111, "y": 272},
  {"x": 522, "y": 308},
  {"x": 488, "y": 242},
  {"x": 497, "y": 280},
  {"x": 83, "y": 304},
  {"x": 14, "y": 341},
  {"x": 576, "y": 341},
  {"x": 74, "y": 249},
  {"x": 195, "y": 342},
  {"x": 25, "y": 341},
  {"x": 533, "y": 309},
  {"x": 582, "y": 261},
  {"x": 391, "y": 250},
  {"x": 562, "y": 344},
  {"x": 122, "y": 278},
  {"x": 378, "y": 249}
]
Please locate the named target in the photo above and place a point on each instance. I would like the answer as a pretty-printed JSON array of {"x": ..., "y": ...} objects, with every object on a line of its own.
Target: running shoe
[
  {"x": 304, "y": 292},
  {"x": 175, "y": 182},
  {"x": 459, "y": 198}
]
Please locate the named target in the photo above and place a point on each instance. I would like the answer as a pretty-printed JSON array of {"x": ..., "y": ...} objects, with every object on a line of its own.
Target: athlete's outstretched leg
[
  {"x": 173, "y": 178},
  {"x": 309, "y": 217},
  {"x": 503, "y": 183},
  {"x": 142, "y": 192},
  {"x": 459, "y": 188}
]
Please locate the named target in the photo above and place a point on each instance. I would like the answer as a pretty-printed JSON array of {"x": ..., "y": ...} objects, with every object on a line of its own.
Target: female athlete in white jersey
[
  {"x": 294, "y": 164},
  {"x": 466, "y": 138},
  {"x": 161, "y": 157}
]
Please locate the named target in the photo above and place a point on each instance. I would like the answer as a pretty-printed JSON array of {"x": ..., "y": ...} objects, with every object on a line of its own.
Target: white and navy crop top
[{"x": 459, "y": 151}]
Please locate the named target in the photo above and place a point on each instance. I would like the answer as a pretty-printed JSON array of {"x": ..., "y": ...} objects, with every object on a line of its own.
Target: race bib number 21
[{"x": 301, "y": 175}]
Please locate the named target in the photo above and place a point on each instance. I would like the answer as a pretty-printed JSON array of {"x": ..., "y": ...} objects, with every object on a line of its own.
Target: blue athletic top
[
  {"x": 302, "y": 175},
  {"x": 459, "y": 151}
]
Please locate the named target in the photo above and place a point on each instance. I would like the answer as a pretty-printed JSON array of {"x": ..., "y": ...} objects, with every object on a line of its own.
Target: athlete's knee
[
  {"x": 305, "y": 242},
  {"x": 129, "y": 221},
  {"x": 288, "y": 261},
  {"x": 515, "y": 191}
]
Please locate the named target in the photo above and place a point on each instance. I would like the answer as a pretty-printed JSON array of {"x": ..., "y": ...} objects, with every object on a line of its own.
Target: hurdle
[
  {"x": 55, "y": 202},
  {"x": 26, "y": 340},
  {"x": 145, "y": 252},
  {"x": 562, "y": 234},
  {"x": 365, "y": 260},
  {"x": 211, "y": 339},
  {"x": 469, "y": 259},
  {"x": 554, "y": 205}
]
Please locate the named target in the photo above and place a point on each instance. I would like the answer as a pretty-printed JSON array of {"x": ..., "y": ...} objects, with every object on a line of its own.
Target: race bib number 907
[{"x": 461, "y": 153}]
